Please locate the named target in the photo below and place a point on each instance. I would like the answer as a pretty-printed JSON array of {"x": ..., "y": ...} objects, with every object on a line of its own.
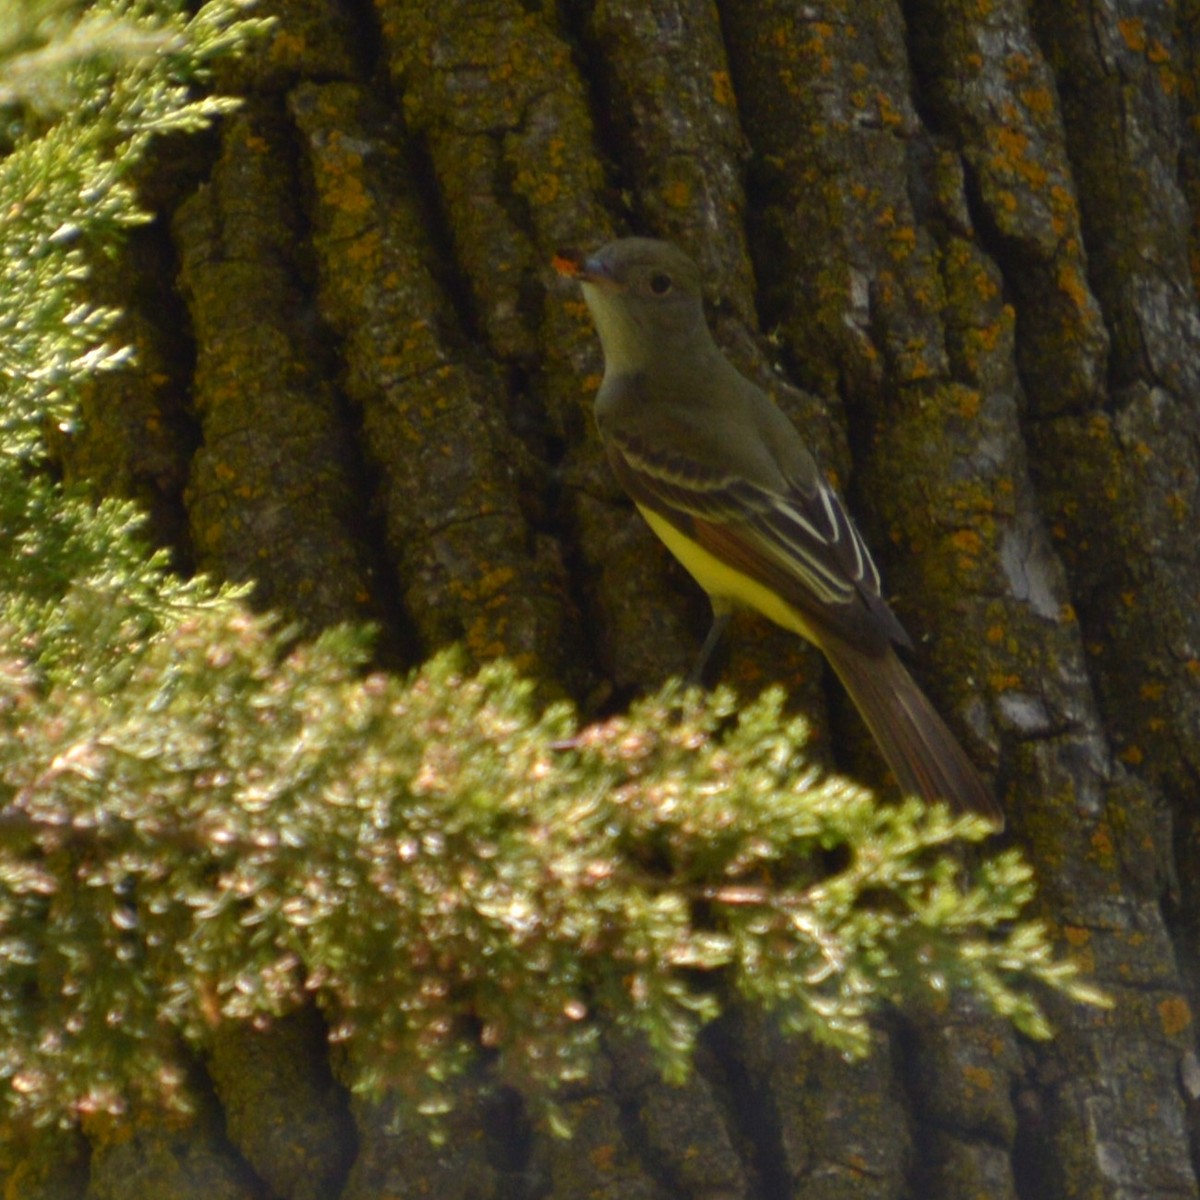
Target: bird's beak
[{"x": 574, "y": 265}]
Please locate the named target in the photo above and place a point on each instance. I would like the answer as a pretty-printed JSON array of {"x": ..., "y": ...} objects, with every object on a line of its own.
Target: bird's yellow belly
[{"x": 723, "y": 582}]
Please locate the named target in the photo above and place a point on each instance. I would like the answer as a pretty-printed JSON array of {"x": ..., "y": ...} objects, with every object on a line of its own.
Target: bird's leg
[{"x": 720, "y": 621}]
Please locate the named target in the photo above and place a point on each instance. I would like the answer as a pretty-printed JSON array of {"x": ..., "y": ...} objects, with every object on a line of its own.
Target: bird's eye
[{"x": 660, "y": 283}]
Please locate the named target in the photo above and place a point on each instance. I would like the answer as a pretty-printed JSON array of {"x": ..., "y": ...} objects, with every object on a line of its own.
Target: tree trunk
[{"x": 956, "y": 243}]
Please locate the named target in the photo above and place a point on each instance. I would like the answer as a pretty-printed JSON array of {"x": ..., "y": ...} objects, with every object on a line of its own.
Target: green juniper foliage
[{"x": 204, "y": 821}]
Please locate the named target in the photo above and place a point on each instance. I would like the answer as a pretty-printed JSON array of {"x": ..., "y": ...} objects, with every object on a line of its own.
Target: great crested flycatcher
[{"x": 725, "y": 481}]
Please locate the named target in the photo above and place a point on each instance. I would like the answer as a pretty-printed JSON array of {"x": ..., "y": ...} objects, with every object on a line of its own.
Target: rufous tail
[{"x": 924, "y": 755}]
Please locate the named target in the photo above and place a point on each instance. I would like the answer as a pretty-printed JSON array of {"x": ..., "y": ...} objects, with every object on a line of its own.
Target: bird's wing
[{"x": 799, "y": 541}]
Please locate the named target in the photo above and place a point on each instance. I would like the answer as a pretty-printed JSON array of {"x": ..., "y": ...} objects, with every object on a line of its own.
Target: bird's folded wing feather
[{"x": 799, "y": 542}]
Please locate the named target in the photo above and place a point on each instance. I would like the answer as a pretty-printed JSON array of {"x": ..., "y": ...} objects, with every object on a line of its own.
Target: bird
[{"x": 725, "y": 480}]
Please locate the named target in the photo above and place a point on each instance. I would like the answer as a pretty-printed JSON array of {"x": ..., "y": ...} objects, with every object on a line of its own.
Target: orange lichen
[
  {"x": 1018, "y": 65},
  {"x": 1174, "y": 1014},
  {"x": 1071, "y": 281},
  {"x": 986, "y": 338},
  {"x": 967, "y": 541},
  {"x": 288, "y": 46},
  {"x": 1013, "y": 142},
  {"x": 1038, "y": 100},
  {"x": 604, "y": 1157},
  {"x": 1158, "y": 53},
  {"x": 903, "y": 241},
  {"x": 980, "y": 1077},
  {"x": 541, "y": 187},
  {"x": 1133, "y": 30},
  {"x": 1102, "y": 842},
  {"x": 889, "y": 114},
  {"x": 678, "y": 194},
  {"x": 497, "y": 578},
  {"x": 365, "y": 249},
  {"x": 722, "y": 88}
]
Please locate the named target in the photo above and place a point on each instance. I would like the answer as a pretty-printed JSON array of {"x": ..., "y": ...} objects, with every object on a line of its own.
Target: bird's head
[{"x": 644, "y": 296}]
